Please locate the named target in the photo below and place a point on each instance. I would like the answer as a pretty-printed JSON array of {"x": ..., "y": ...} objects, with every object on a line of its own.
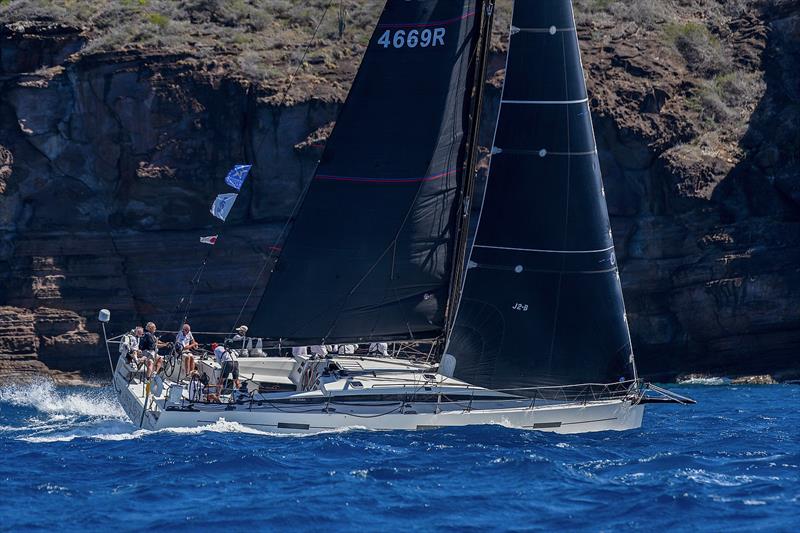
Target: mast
[
  {"x": 371, "y": 250},
  {"x": 542, "y": 301},
  {"x": 463, "y": 207}
]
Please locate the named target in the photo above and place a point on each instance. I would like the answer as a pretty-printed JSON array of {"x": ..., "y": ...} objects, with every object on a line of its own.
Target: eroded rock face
[
  {"x": 708, "y": 235},
  {"x": 108, "y": 163}
]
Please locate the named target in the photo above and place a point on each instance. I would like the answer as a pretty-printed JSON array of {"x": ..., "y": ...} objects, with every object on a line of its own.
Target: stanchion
[{"x": 105, "y": 316}]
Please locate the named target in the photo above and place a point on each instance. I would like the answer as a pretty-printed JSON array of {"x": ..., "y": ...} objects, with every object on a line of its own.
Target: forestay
[
  {"x": 542, "y": 302},
  {"x": 371, "y": 250}
]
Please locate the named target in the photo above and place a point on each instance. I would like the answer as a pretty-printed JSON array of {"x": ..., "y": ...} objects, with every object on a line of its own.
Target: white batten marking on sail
[
  {"x": 518, "y": 269},
  {"x": 552, "y": 30},
  {"x": 514, "y": 30},
  {"x": 496, "y": 150},
  {"x": 545, "y": 102},
  {"x": 544, "y": 251},
  {"x": 570, "y": 154},
  {"x": 546, "y": 152},
  {"x": 471, "y": 264}
]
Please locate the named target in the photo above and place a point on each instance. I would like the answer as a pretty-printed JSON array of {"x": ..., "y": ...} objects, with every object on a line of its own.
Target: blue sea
[{"x": 69, "y": 460}]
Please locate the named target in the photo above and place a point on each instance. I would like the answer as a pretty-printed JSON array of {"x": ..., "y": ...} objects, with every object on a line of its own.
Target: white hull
[{"x": 605, "y": 415}]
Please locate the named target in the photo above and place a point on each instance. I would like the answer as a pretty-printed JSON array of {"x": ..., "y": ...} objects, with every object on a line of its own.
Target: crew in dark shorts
[
  {"x": 229, "y": 364},
  {"x": 149, "y": 345}
]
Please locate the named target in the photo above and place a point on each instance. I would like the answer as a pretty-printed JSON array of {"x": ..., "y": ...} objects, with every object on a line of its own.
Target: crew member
[
  {"x": 129, "y": 347},
  {"x": 229, "y": 364},
  {"x": 149, "y": 345},
  {"x": 184, "y": 342}
]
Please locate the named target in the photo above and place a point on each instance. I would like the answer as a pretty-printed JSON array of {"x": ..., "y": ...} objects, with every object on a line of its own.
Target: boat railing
[{"x": 582, "y": 392}]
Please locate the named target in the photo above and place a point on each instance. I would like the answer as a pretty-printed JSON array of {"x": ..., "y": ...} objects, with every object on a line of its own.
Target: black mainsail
[
  {"x": 542, "y": 302},
  {"x": 374, "y": 242}
]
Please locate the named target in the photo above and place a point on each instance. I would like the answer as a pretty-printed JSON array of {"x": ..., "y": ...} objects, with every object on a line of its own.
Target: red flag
[{"x": 211, "y": 239}]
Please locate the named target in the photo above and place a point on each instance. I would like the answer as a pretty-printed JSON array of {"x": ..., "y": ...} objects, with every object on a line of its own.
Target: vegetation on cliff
[{"x": 264, "y": 41}]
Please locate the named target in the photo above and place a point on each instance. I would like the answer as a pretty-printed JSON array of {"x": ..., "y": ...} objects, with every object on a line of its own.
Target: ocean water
[{"x": 69, "y": 460}]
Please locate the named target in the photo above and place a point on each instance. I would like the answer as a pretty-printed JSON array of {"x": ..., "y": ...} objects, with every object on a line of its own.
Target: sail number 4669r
[{"x": 413, "y": 38}]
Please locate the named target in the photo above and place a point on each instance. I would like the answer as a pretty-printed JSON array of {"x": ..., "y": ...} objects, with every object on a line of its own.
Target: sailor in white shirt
[
  {"x": 184, "y": 342},
  {"x": 300, "y": 350}
]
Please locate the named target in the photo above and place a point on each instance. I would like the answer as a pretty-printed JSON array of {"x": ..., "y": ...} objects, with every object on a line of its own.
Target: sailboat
[{"x": 524, "y": 327}]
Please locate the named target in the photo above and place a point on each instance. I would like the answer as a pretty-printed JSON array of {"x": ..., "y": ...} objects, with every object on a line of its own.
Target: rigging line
[
  {"x": 258, "y": 148},
  {"x": 195, "y": 281}
]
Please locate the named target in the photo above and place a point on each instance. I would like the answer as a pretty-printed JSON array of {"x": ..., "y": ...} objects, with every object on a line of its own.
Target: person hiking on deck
[
  {"x": 149, "y": 345},
  {"x": 184, "y": 343}
]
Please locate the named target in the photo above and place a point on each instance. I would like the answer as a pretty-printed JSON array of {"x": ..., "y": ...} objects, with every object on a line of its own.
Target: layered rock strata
[{"x": 108, "y": 163}]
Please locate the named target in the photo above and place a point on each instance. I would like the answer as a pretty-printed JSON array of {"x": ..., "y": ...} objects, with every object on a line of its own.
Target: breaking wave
[
  {"x": 704, "y": 381},
  {"x": 43, "y": 396}
]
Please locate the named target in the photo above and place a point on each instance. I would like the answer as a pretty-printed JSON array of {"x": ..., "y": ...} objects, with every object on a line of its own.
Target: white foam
[
  {"x": 43, "y": 396},
  {"x": 224, "y": 426},
  {"x": 106, "y": 432},
  {"x": 705, "y": 381},
  {"x": 220, "y": 426},
  {"x": 704, "y": 477}
]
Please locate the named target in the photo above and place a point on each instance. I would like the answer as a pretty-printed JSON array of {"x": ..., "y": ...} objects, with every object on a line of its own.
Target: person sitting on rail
[
  {"x": 184, "y": 343},
  {"x": 149, "y": 345},
  {"x": 229, "y": 364},
  {"x": 129, "y": 348}
]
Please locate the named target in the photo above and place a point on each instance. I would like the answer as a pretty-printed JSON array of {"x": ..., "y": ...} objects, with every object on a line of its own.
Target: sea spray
[{"x": 43, "y": 396}]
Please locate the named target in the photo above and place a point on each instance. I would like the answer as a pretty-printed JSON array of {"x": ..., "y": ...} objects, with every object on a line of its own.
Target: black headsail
[
  {"x": 371, "y": 250},
  {"x": 542, "y": 302}
]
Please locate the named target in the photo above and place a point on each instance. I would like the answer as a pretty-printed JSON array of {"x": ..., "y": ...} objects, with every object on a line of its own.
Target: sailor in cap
[{"x": 241, "y": 337}]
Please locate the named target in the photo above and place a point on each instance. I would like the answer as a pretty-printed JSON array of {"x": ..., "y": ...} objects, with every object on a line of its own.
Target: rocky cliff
[{"x": 118, "y": 122}]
